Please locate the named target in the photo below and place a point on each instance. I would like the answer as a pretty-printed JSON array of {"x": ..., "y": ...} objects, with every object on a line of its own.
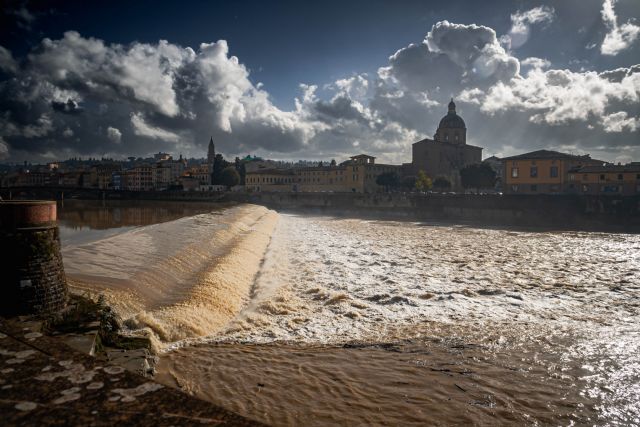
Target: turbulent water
[{"x": 301, "y": 320}]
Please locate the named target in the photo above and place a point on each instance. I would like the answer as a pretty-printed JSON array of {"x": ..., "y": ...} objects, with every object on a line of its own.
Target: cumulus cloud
[
  {"x": 148, "y": 92},
  {"x": 521, "y": 25},
  {"x": 140, "y": 98},
  {"x": 114, "y": 135},
  {"x": 619, "y": 37},
  {"x": 560, "y": 96},
  {"x": 619, "y": 122},
  {"x": 534, "y": 62},
  {"x": 142, "y": 128}
]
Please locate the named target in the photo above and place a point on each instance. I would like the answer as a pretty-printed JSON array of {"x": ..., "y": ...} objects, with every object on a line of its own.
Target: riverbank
[
  {"x": 608, "y": 213},
  {"x": 351, "y": 320},
  {"x": 43, "y": 382}
]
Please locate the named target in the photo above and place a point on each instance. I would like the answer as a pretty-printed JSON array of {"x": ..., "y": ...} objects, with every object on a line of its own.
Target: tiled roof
[{"x": 548, "y": 154}]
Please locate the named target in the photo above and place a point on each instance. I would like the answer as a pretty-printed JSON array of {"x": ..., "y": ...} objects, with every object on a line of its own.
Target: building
[
  {"x": 140, "y": 178},
  {"x": 447, "y": 152},
  {"x": 357, "y": 175},
  {"x": 543, "y": 172},
  {"x": 281, "y": 180},
  {"x": 202, "y": 173},
  {"x": 161, "y": 156},
  {"x": 100, "y": 175},
  {"x": 621, "y": 180}
]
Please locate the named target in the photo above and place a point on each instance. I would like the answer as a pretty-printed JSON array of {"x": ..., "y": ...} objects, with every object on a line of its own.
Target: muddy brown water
[{"x": 356, "y": 322}]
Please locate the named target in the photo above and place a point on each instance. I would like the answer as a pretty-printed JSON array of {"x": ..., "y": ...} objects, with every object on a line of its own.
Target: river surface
[{"x": 311, "y": 320}]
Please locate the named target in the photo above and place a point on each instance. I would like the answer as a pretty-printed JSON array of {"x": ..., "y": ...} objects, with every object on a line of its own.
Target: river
[{"x": 310, "y": 320}]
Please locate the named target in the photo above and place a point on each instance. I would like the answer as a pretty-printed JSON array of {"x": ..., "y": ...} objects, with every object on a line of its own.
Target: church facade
[{"x": 447, "y": 152}]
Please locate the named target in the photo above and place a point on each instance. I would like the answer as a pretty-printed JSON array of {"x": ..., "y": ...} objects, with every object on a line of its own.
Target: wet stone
[{"x": 56, "y": 385}]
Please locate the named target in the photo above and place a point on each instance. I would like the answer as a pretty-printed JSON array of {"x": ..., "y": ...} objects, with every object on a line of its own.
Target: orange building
[
  {"x": 543, "y": 172},
  {"x": 609, "y": 179}
]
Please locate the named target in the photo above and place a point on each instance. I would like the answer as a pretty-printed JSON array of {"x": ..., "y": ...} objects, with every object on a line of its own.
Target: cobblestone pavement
[{"x": 43, "y": 382}]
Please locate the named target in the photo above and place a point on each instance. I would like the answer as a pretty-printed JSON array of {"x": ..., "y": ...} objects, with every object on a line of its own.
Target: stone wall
[
  {"x": 562, "y": 212},
  {"x": 33, "y": 279}
]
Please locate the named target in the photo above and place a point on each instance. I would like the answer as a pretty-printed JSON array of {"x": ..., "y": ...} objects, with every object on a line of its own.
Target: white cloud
[
  {"x": 114, "y": 135},
  {"x": 521, "y": 25},
  {"x": 619, "y": 122},
  {"x": 534, "y": 62},
  {"x": 556, "y": 97},
  {"x": 143, "y": 72},
  {"x": 142, "y": 128},
  {"x": 619, "y": 37}
]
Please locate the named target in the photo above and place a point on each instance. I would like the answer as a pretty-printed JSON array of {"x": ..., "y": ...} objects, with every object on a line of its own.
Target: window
[
  {"x": 619, "y": 177},
  {"x": 572, "y": 177},
  {"x": 585, "y": 177},
  {"x": 534, "y": 172},
  {"x": 553, "y": 172},
  {"x": 601, "y": 177},
  {"x": 534, "y": 187},
  {"x": 514, "y": 172},
  {"x": 514, "y": 188}
]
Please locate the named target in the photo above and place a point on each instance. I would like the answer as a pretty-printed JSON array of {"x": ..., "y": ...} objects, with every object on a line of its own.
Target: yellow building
[
  {"x": 542, "y": 172},
  {"x": 357, "y": 175},
  {"x": 270, "y": 180},
  {"x": 610, "y": 179}
]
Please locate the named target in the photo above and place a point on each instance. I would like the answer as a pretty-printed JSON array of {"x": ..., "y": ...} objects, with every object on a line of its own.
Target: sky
[{"x": 317, "y": 80}]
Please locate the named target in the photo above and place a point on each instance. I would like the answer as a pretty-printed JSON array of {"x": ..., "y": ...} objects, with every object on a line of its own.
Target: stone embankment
[
  {"x": 611, "y": 213},
  {"x": 601, "y": 213}
]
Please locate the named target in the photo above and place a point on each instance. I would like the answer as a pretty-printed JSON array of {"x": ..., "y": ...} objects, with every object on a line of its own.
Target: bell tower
[{"x": 211, "y": 152}]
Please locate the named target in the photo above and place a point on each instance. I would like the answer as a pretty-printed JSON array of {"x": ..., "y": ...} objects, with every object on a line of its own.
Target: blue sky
[{"x": 281, "y": 45}]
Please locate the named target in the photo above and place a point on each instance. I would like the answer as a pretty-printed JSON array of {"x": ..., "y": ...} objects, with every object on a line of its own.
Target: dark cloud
[{"x": 80, "y": 95}]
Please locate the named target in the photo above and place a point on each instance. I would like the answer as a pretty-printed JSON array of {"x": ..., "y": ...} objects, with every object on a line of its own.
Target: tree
[
  {"x": 423, "y": 182},
  {"x": 478, "y": 175},
  {"x": 441, "y": 183},
  {"x": 333, "y": 163},
  {"x": 387, "y": 180},
  {"x": 408, "y": 183},
  {"x": 241, "y": 168},
  {"x": 219, "y": 165},
  {"x": 230, "y": 176}
]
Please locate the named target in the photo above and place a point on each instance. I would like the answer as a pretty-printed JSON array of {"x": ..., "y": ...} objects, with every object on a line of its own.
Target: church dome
[{"x": 452, "y": 120}]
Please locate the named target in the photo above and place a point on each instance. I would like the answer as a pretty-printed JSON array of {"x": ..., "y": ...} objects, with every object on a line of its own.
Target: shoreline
[{"x": 561, "y": 212}]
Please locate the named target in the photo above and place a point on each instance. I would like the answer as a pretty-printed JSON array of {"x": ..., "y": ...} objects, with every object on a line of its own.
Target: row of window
[
  {"x": 601, "y": 177},
  {"x": 533, "y": 172}
]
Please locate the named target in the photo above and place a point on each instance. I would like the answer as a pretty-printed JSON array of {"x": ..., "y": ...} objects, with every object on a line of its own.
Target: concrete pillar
[{"x": 33, "y": 280}]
